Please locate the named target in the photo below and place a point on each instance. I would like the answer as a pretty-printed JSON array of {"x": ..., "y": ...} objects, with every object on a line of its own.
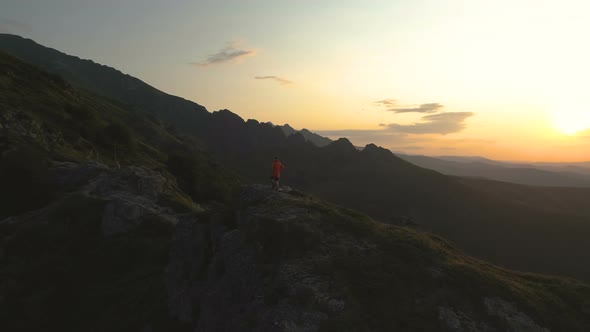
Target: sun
[{"x": 571, "y": 122}]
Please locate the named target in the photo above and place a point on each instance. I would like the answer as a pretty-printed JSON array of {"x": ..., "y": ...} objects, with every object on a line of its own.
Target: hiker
[{"x": 277, "y": 168}]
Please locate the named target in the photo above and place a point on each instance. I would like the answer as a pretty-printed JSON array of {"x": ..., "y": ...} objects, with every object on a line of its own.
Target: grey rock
[
  {"x": 71, "y": 176},
  {"x": 515, "y": 320},
  {"x": 457, "y": 321},
  {"x": 120, "y": 216}
]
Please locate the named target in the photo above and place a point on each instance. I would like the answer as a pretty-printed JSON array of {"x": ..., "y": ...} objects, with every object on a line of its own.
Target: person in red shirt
[{"x": 277, "y": 168}]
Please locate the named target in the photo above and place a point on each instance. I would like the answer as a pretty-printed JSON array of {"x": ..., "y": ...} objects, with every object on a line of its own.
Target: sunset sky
[{"x": 504, "y": 79}]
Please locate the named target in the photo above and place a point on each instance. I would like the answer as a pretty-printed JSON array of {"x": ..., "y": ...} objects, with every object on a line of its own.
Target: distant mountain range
[
  {"x": 521, "y": 227},
  {"x": 574, "y": 167},
  {"x": 536, "y": 174}
]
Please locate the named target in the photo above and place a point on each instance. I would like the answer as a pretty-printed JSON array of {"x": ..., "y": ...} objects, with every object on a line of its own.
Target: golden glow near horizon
[{"x": 512, "y": 73}]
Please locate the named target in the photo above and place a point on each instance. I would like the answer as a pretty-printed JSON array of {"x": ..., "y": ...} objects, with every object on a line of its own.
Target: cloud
[
  {"x": 435, "y": 124},
  {"x": 442, "y": 123},
  {"x": 231, "y": 53},
  {"x": 428, "y": 144},
  {"x": 386, "y": 102},
  {"x": 392, "y": 106},
  {"x": 277, "y": 79},
  {"x": 356, "y": 133},
  {"x": 424, "y": 108},
  {"x": 14, "y": 26}
]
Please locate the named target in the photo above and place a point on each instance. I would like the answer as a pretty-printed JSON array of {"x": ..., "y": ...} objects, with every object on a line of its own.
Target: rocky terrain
[{"x": 115, "y": 254}]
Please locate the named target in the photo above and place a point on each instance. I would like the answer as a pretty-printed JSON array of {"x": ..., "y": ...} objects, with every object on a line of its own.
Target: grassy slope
[{"x": 396, "y": 278}]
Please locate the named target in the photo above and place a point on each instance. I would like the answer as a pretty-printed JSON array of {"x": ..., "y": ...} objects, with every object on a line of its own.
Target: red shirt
[{"x": 277, "y": 168}]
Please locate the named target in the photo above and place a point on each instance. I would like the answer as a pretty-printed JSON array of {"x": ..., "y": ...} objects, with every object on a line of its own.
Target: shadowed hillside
[{"x": 108, "y": 82}]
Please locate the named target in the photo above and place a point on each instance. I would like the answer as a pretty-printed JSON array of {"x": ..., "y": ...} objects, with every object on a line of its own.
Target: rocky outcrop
[
  {"x": 503, "y": 313},
  {"x": 457, "y": 321},
  {"x": 131, "y": 194},
  {"x": 513, "y": 319},
  {"x": 285, "y": 266},
  {"x": 221, "y": 279},
  {"x": 279, "y": 261}
]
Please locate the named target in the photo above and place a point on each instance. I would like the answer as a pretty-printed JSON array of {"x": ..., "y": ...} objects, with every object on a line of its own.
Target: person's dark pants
[{"x": 275, "y": 182}]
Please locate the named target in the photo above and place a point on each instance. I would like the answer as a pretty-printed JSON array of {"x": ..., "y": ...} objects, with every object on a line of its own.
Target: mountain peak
[
  {"x": 342, "y": 145},
  {"x": 227, "y": 115},
  {"x": 296, "y": 138},
  {"x": 375, "y": 150}
]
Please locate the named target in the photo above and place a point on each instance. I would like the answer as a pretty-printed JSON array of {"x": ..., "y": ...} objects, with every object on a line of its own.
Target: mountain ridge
[
  {"x": 316, "y": 139},
  {"x": 108, "y": 82}
]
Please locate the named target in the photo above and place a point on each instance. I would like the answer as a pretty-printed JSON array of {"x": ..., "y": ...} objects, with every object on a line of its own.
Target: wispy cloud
[
  {"x": 442, "y": 123},
  {"x": 277, "y": 79},
  {"x": 233, "y": 52},
  {"x": 424, "y": 108},
  {"x": 14, "y": 26},
  {"x": 436, "y": 124},
  {"x": 392, "y": 105},
  {"x": 386, "y": 102}
]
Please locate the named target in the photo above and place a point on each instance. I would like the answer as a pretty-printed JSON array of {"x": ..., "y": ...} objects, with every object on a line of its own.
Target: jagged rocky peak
[
  {"x": 252, "y": 122},
  {"x": 227, "y": 115},
  {"x": 296, "y": 138},
  {"x": 305, "y": 131},
  {"x": 288, "y": 130},
  {"x": 374, "y": 150},
  {"x": 342, "y": 145}
]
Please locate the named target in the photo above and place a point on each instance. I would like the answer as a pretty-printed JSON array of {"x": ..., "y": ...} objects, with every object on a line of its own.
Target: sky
[{"x": 501, "y": 79}]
